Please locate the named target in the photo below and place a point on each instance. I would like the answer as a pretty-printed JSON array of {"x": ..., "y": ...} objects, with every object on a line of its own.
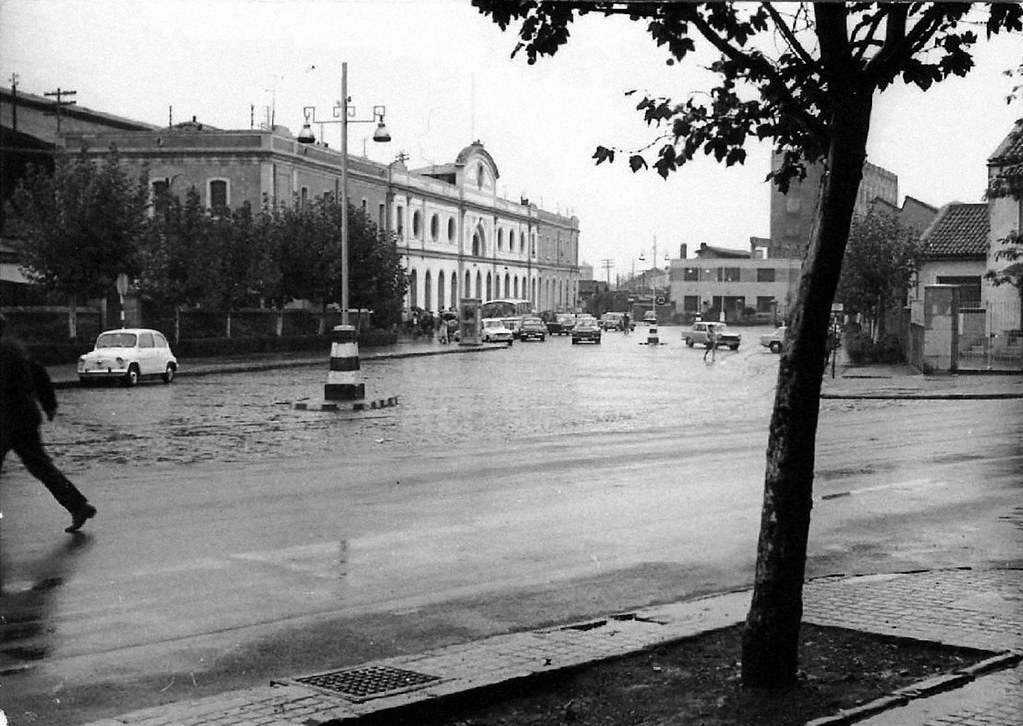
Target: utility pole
[
  {"x": 14, "y": 102},
  {"x": 60, "y": 94},
  {"x": 607, "y": 264}
]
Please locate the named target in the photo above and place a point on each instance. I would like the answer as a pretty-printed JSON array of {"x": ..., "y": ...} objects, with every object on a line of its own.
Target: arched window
[
  {"x": 479, "y": 176},
  {"x": 479, "y": 244},
  {"x": 507, "y": 286},
  {"x": 413, "y": 298},
  {"x": 468, "y": 286},
  {"x": 511, "y": 240},
  {"x": 399, "y": 221},
  {"x": 451, "y": 229},
  {"x": 516, "y": 283},
  {"x": 434, "y": 228},
  {"x": 490, "y": 288},
  {"x": 417, "y": 225},
  {"x": 454, "y": 290},
  {"x": 440, "y": 290},
  {"x": 479, "y": 284},
  {"x": 427, "y": 291},
  {"x": 500, "y": 239}
]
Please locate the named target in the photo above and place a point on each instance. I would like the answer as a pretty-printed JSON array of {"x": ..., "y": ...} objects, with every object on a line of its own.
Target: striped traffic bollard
[
  {"x": 343, "y": 379},
  {"x": 651, "y": 336}
]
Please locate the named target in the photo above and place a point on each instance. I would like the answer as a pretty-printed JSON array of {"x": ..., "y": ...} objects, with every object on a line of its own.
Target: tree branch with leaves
[{"x": 812, "y": 97}]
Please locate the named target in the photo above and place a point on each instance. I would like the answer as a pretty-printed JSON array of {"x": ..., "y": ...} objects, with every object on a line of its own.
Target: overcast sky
[{"x": 445, "y": 74}]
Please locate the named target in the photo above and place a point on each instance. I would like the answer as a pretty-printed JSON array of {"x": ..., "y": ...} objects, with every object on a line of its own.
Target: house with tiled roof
[
  {"x": 955, "y": 250},
  {"x": 1005, "y": 206}
]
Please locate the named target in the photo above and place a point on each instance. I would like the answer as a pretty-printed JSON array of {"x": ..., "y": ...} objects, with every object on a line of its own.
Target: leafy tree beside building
[
  {"x": 881, "y": 259},
  {"x": 76, "y": 229}
]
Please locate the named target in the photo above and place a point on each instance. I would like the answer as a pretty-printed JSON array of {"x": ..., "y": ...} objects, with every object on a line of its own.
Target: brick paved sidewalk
[{"x": 972, "y": 608}]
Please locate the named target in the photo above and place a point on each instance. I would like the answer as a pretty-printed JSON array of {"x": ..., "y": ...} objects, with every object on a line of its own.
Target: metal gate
[{"x": 990, "y": 337}]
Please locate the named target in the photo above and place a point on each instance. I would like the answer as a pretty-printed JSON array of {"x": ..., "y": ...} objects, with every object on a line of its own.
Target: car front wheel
[
  {"x": 689, "y": 342},
  {"x": 168, "y": 375},
  {"x": 131, "y": 378},
  {"x": 775, "y": 346}
]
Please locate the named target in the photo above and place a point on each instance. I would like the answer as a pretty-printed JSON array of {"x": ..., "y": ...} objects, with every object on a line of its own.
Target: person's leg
[{"x": 29, "y": 447}]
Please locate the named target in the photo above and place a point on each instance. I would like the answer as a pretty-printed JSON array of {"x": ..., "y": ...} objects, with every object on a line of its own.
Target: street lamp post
[
  {"x": 342, "y": 380},
  {"x": 380, "y": 135}
]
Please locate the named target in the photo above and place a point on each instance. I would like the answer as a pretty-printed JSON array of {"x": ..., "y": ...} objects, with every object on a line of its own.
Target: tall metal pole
[{"x": 344, "y": 193}]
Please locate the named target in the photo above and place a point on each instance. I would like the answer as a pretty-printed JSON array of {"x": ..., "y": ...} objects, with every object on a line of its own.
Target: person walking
[
  {"x": 24, "y": 387},
  {"x": 712, "y": 344}
]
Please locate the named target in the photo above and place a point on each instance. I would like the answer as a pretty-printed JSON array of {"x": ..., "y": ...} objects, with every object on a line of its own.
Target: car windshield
[
  {"x": 493, "y": 324},
  {"x": 116, "y": 340}
]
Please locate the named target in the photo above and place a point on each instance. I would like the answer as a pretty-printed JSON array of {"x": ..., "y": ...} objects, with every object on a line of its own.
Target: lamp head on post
[{"x": 306, "y": 135}]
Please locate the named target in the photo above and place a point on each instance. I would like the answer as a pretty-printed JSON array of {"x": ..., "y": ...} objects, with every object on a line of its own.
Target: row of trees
[{"x": 85, "y": 223}]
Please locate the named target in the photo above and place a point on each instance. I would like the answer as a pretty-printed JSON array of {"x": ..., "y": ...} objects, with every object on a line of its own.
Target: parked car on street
[
  {"x": 533, "y": 329},
  {"x": 128, "y": 355},
  {"x": 586, "y": 329},
  {"x": 494, "y": 331},
  {"x": 615, "y": 321},
  {"x": 697, "y": 335},
  {"x": 774, "y": 341}
]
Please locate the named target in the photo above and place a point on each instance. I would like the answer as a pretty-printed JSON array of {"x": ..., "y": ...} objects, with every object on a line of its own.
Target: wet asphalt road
[{"x": 239, "y": 539}]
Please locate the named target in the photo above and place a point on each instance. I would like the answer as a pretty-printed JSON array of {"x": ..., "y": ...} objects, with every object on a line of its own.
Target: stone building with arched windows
[{"x": 458, "y": 237}]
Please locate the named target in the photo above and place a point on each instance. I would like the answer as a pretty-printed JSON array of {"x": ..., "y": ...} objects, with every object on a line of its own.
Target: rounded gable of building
[{"x": 476, "y": 168}]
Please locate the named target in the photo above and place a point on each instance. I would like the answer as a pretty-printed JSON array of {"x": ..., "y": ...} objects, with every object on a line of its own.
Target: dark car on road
[
  {"x": 586, "y": 329},
  {"x": 533, "y": 329}
]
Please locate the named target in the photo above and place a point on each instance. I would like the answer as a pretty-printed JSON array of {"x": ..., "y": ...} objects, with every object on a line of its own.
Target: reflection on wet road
[{"x": 240, "y": 540}]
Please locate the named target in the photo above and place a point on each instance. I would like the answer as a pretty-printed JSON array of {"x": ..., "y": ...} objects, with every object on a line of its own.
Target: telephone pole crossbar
[{"x": 60, "y": 94}]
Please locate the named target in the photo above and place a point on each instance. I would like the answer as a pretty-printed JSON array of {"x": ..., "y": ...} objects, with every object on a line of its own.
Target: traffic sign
[{"x": 661, "y": 300}]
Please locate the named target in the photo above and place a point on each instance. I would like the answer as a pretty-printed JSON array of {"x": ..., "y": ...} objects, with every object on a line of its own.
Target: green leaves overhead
[{"x": 777, "y": 78}]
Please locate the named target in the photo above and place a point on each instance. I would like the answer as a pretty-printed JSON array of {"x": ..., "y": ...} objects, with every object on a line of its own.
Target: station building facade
[{"x": 457, "y": 236}]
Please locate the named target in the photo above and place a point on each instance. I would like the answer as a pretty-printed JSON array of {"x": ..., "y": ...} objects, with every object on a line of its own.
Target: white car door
[{"x": 147, "y": 355}]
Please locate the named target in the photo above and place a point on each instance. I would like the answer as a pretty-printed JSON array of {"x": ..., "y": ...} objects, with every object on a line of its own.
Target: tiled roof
[
  {"x": 959, "y": 230},
  {"x": 1011, "y": 148}
]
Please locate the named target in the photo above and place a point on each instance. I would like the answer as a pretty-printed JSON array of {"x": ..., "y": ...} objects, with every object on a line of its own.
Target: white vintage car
[
  {"x": 495, "y": 331},
  {"x": 128, "y": 355}
]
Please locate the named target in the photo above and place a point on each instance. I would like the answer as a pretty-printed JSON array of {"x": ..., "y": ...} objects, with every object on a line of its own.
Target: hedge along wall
[
  {"x": 45, "y": 333},
  {"x": 49, "y": 324}
]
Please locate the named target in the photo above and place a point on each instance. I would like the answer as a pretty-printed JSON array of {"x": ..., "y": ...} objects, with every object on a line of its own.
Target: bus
[{"x": 510, "y": 310}]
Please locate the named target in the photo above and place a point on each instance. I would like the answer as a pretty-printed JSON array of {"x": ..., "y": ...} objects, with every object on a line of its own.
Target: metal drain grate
[{"x": 363, "y": 684}]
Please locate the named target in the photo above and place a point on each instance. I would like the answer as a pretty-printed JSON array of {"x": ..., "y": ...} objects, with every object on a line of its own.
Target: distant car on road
[
  {"x": 697, "y": 335},
  {"x": 615, "y": 321},
  {"x": 650, "y": 317},
  {"x": 774, "y": 341},
  {"x": 533, "y": 329},
  {"x": 494, "y": 331},
  {"x": 586, "y": 329},
  {"x": 128, "y": 355}
]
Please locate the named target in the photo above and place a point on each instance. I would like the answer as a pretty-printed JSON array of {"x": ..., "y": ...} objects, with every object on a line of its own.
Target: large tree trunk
[{"x": 771, "y": 636}]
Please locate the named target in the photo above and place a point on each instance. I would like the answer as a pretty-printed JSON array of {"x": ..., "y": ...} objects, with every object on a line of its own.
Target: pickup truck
[{"x": 697, "y": 335}]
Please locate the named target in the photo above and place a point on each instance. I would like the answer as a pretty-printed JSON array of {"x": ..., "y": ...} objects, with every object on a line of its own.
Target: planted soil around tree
[{"x": 697, "y": 681}]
